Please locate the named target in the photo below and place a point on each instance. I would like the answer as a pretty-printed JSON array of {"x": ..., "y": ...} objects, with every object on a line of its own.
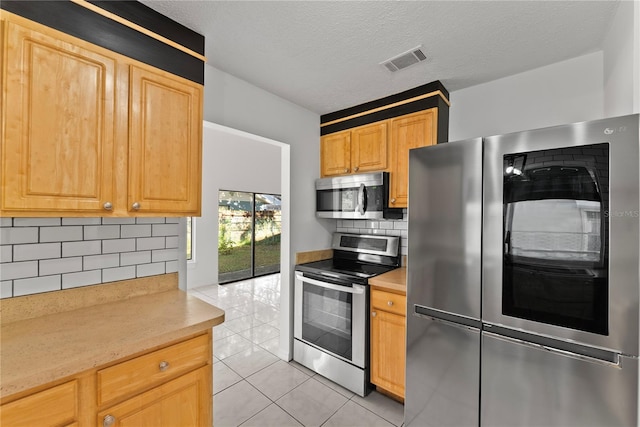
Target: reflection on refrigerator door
[
  {"x": 527, "y": 385},
  {"x": 444, "y": 391}
]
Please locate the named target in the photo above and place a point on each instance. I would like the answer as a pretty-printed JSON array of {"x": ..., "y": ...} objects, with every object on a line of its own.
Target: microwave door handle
[{"x": 361, "y": 199}]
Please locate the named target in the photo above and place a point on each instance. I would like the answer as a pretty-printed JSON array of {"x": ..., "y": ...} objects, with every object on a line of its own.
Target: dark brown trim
[
  {"x": 391, "y": 99},
  {"x": 81, "y": 22}
]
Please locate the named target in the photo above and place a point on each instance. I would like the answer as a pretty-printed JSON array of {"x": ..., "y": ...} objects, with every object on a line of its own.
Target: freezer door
[
  {"x": 527, "y": 385},
  {"x": 445, "y": 193},
  {"x": 443, "y": 373}
]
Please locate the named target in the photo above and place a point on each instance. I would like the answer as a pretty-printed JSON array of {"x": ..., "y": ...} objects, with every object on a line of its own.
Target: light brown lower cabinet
[
  {"x": 388, "y": 325},
  {"x": 169, "y": 386}
]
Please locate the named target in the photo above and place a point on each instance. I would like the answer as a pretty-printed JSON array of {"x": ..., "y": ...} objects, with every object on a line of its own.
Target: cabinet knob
[
  {"x": 107, "y": 206},
  {"x": 393, "y": 200},
  {"x": 164, "y": 365},
  {"x": 356, "y": 169},
  {"x": 346, "y": 170},
  {"x": 389, "y": 303},
  {"x": 374, "y": 314},
  {"x": 135, "y": 206},
  {"x": 108, "y": 420}
]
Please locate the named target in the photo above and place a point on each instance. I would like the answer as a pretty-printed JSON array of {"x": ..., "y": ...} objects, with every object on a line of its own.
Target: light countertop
[
  {"x": 393, "y": 281},
  {"x": 48, "y": 348}
]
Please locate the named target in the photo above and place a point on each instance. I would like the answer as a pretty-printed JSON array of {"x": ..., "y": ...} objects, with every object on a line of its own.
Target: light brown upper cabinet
[
  {"x": 407, "y": 132},
  {"x": 378, "y": 135},
  {"x": 89, "y": 132},
  {"x": 59, "y": 122},
  {"x": 359, "y": 150}
]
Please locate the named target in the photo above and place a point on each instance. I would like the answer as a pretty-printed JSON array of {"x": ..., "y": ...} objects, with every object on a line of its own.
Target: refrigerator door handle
[
  {"x": 610, "y": 359},
  {"x": 446, "y": 318}
]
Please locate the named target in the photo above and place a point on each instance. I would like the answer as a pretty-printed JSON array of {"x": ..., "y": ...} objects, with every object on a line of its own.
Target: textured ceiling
[{"x": 325, "y": 55}]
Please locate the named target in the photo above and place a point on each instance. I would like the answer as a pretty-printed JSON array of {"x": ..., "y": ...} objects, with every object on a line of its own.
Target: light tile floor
[{"x": 253, "y": 387}]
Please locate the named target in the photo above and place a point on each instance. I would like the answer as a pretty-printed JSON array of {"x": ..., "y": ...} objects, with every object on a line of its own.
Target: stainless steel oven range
[{"x": 331, "y": 298}]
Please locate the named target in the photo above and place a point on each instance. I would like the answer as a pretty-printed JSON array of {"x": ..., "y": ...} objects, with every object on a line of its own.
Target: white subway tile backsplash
[
  {"x": 37, "y": 251},
  {"x": 144, "y": 270},
  {"x": 118, "y": 221},
  {"x": 172, "y": 242},
  {"x": 140, "y": 230},
  {"x": 61, "y": 234},
  {"x": 400, "y": 225},
  {"x": 19, "y": 235},
  {"x": 171, "y": 266},
  {"x": 100, "y": 232},
  {"x": 60, "y": 265},
  {"x": 346, "y": 223},
  {"x": 120, "y": 273},
  {"x": 132, "y": 258},
  {"x": 6, "y": 289},
  {"x": 83, "y": 278},
  {"x": 96, "y": 262},
  {"x": 164, "y": 255},
  {"x": 45, "y": 254},
  {"x": 90, "y": 247},
  {"x": 150, "y": 220},
  {"x": 35, "y": 222},
  {"x": 6, "y": 253},
  {"x": 386, "y": 225},
  {"x": 359, "y": 223},
  {"x": 147, "y": 243},
  {"x": 119, "y": 245},
  {"x": 81, "y": 221},
  {"x": 18, "y": 270},
  {"x": 165, "y": 230},
  {"x": 36, "y": 285}
]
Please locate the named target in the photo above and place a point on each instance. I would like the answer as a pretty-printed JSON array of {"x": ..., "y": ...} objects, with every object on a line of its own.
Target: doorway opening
[{"x": 249, "y": 235}]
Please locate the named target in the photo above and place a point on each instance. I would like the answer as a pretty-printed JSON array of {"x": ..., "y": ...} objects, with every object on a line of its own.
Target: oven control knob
[
  {"x": 373, "y": 314},
  {"x": 389, "y": 303}
]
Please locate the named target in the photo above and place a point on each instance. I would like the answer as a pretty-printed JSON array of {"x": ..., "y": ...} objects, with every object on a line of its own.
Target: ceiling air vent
[{"x": 405, "y": 59}]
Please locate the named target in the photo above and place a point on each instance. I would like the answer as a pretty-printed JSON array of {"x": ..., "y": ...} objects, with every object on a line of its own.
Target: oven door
[
  {"x": 331, "y": 317},
  {"x": 561, "y": 231}
]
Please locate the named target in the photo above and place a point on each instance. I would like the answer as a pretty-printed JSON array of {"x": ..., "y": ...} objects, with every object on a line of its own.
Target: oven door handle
[{"x": 347, "y": 289}]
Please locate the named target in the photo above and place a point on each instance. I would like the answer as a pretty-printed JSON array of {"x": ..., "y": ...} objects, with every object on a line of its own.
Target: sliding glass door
[{"x": 249, "y": 229}]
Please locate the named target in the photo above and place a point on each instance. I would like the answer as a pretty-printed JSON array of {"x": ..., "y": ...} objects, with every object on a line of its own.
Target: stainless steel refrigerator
[{"x": 523, "y": 279}]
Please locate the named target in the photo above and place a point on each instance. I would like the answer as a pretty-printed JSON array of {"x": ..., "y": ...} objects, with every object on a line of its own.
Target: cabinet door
[
  {"x": 407, "y": 132},
  {"x": 58, "y": 113},
  {"x": 335, "y": 154},
  {"x": 369, "y": 148},
  {"x": 388, "y": 351},
  {"x": 165, "y": 143},
  {"x": 185, "y": 401}
]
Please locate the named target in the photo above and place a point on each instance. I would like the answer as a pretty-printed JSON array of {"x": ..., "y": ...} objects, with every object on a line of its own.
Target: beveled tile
[
  {"x": 383, "y": 406},
  {"x": 352, "y": 414},
  {"x": 223, "y": 377},
  {"x": 311, "y": 403},
  {"x": 272, "y": 345},
  {"x": 236, "y": 404},
  {"x": 250, "y": 361},
  {"x": 261, "y": 333},
  {"x": 220, "y": 332},
  {"x": 272, "y": 416},
  {"x": 336, "y": 387},
  {"x": 277, "y": 380},
  {"x": 242, "y": 323},
  {"x": 229, "y": 346}
]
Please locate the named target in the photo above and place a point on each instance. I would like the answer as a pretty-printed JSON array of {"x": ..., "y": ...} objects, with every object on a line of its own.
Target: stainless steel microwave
[{"x": 362, "y": 196}]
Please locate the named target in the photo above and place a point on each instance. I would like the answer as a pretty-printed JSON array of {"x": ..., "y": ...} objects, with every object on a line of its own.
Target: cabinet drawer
[
  {"x": 387, "y": 301},
  {"x": 152, "y": 369},
  {"x": 57, "y": 406}
]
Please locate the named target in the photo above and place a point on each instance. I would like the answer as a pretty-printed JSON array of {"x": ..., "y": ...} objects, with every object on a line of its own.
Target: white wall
[
  {"x": 560, "y": 93},
  {"x": 234, "y": 161},
  {"x": 237, "y": 104}
]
